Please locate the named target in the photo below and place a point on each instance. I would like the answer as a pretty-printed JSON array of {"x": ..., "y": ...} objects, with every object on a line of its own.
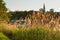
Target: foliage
[
  {"x": 30, "y": 33},
  {"x": 3, "y": 11},
  {"x": 51, "y": 10},
  {"x": 8, "y": 31},
  {"x": 36, "y": 33},
  {"x": 3, "y": 37}
]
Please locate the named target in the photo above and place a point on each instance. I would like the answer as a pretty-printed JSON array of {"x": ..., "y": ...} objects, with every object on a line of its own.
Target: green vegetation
[
  {"x": 29, "y": 33},
  {"x": 25, "y": 33},
  {"x": 3, "y": 37},
  {"x": 4, "y": 15}
]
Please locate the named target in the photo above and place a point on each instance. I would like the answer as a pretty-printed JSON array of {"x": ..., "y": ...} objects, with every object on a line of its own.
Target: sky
[{"x": 14, "y": 5}]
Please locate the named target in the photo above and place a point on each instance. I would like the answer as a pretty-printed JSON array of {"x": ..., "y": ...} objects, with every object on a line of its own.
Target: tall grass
[
  {"x": 36, "y": 33},
  {"x": 31, "y": 33},
  {"x": 3, "y": 37}
]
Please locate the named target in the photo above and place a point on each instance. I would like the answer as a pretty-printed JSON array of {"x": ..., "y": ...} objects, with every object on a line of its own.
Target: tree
[
  {"x": 41, "y": 10},
  {"x": 51, "y": 10},
  {"x": 3, "y": 11}
]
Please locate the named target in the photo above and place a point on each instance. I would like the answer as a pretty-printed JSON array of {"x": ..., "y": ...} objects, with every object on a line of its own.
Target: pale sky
[{"x": 32, "y": 4}]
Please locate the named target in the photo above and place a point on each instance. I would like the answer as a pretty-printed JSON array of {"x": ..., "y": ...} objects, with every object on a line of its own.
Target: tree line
[{"x": 5, "y": 15}]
